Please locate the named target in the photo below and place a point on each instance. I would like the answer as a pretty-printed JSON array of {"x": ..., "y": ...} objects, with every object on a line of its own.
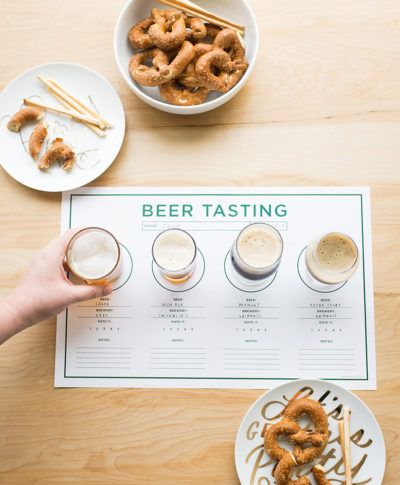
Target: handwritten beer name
[{"x": 333, "y": 464}]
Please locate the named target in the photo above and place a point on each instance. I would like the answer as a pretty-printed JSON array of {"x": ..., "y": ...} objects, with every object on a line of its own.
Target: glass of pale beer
[
  {"x": 94, "y": 256},
  {"x": 174, "y": 253}
]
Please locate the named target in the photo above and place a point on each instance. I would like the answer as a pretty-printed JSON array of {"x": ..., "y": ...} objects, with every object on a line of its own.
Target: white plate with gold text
[
  {"x": 94, "y": 154},
  {"x": 254, "y": 466}
]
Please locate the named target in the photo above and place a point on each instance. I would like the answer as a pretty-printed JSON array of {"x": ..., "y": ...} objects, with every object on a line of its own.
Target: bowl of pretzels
[{"x": 184, "y": 57}]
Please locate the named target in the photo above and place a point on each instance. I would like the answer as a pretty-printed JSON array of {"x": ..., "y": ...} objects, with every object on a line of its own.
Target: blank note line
[
  {"x": 102, "y": 353},
  {"x": 101, "y": 367},
  {"x": 253, "y": 368},
  {"x": 250, "y": 350},
  {"x": 179, "y": 368},
  {"x": 106, "y": 348},
  {"x": 328, "y": 358},
  {"x": 251, "y": 359},
  {"x": 177, "y": 348}
]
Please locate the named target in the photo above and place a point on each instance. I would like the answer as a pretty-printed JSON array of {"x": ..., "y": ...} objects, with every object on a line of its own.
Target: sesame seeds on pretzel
[
  {"x": 307, "y": 444},
  {"x": 191, "y": 57}
]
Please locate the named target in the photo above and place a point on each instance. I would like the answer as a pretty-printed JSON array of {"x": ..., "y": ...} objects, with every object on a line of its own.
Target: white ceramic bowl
[{"x": 135, "y": 10}]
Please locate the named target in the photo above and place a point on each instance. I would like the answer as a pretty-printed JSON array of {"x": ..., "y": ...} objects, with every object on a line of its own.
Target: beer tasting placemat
[{"x": 214, "y": 331}]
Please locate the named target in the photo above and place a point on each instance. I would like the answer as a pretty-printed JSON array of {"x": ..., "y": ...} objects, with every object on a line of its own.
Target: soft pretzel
[
  {"x": 176, "y": 93},
  {"x": 23, "y": 116},
  {"x": 213, "y": 70},
  {"x": 284, "y": 470},
  {"x": 212, "y": 32},
  {"x": 169, "y": 30},
  {"x": 139, "y": 37},
  {"x": 308, "y": 444},
  {"x": 165, "y": 66},
  {"x": 180, "y": 59},
  {"x": 272, "y": 434},
  {"x": 158, "y": 73},
  {"x": 186, "y": 55},
  {"x": 195, "y": 28},
  {"x": 319, "y": 475},
  {"x": 317, "y": 438},
  {"x": 58, "y": 152},
  {"x": 189, "y": 78},
  {"x": 228, "y": 40},
  {"x": 36, "y": 140}
]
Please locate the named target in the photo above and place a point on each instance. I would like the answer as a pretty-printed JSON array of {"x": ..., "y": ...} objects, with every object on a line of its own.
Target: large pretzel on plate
[
  {"x": 164, "y": 67},
  {"x": 315, "y": 439},
  {"x": 169, "y": 29}
]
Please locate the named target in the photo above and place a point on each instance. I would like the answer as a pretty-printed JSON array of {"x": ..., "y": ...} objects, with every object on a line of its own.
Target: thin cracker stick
[
  {"x": 65, "y": 97},
  {"x": 66, "y": 112},
  {"x": 95, "y": 129},
  {"x": 344, "y": 433},
  {"x": 84, "y": 109},
  {"x": 195, "y": 7},
  {"x": 208, "y": 17}
]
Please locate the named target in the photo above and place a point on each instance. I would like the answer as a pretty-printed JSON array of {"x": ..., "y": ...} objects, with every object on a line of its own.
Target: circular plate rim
[
  {"x": 301, "y": 382},
  {"x": 123, "y": 126}
]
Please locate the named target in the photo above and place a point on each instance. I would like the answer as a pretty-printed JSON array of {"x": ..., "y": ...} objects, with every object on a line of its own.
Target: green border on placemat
[{"x": 226, "y": 378}]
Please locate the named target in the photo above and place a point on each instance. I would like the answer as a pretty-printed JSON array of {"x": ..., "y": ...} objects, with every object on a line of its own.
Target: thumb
[{"x": 79, "y": 293}]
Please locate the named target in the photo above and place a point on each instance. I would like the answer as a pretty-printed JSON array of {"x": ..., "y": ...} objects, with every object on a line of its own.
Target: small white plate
[
  {"x": 254, "y": 466},
  {"x": 93, "y": 154}
]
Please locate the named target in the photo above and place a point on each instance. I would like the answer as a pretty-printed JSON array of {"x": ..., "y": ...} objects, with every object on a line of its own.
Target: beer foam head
[
  {"x": 259, "y": 245},
  {"x": 336, "y": 252},
  {"x": 332, "y": 258},
  {"x": 93, "y": 254},
  {"x": 174, "y": 250}
]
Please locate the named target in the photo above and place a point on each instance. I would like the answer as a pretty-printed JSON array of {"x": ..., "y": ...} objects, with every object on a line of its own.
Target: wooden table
[{"x": 322, "y": 108}]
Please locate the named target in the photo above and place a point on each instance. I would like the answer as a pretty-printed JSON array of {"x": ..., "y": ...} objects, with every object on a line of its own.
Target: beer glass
[
  {"x": 256, "y": 254},
  {"x": 174, "y": 253},
  {"x": 332, "y": 258},
  {"x": 94, "y": 256}
]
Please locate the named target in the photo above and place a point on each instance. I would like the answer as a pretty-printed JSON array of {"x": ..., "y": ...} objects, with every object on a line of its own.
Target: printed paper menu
[{"x": 214, "y": 331}]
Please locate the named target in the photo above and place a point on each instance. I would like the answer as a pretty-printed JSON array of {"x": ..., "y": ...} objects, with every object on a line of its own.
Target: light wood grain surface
[{"x": 322, "y": 108}]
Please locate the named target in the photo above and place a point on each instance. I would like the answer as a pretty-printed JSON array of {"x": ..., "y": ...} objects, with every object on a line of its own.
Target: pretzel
[
  {"x": 308, "y": 444},
  {"x": 139, "y": 37},
  {"x": 58, "y": 152},
  {"x": 228, "y": 40},
  {"x": 36, "y": 140},
  {"x": 180, "y": 59},
  {"x": 176, "y": 93},
  {"x": 271, "y": 445},
  {"x": 189, "y": 78},
  {"x": 157, "y": 74},
  {"x": 195, "y": 28},
  {"x": 162, "y": 70},
  {"x": 213, "y": 30},
  {"x": 169, "y": 30},
  {"x": 214, "y": 70},
  {"x": 284, "y": 471},
  {"x": 319, "y": 475},
  {"x": 23, "y": 116},
  {"x": 318, "y": 438}
]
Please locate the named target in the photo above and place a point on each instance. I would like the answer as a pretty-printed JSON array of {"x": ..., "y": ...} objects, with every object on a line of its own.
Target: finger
[{"x": 79, "y": 293}]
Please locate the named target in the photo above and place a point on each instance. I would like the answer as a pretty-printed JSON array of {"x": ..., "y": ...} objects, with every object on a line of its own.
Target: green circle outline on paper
[
  {"x": 241, "y": 289},
  {"x": 188, "y": 289}
]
